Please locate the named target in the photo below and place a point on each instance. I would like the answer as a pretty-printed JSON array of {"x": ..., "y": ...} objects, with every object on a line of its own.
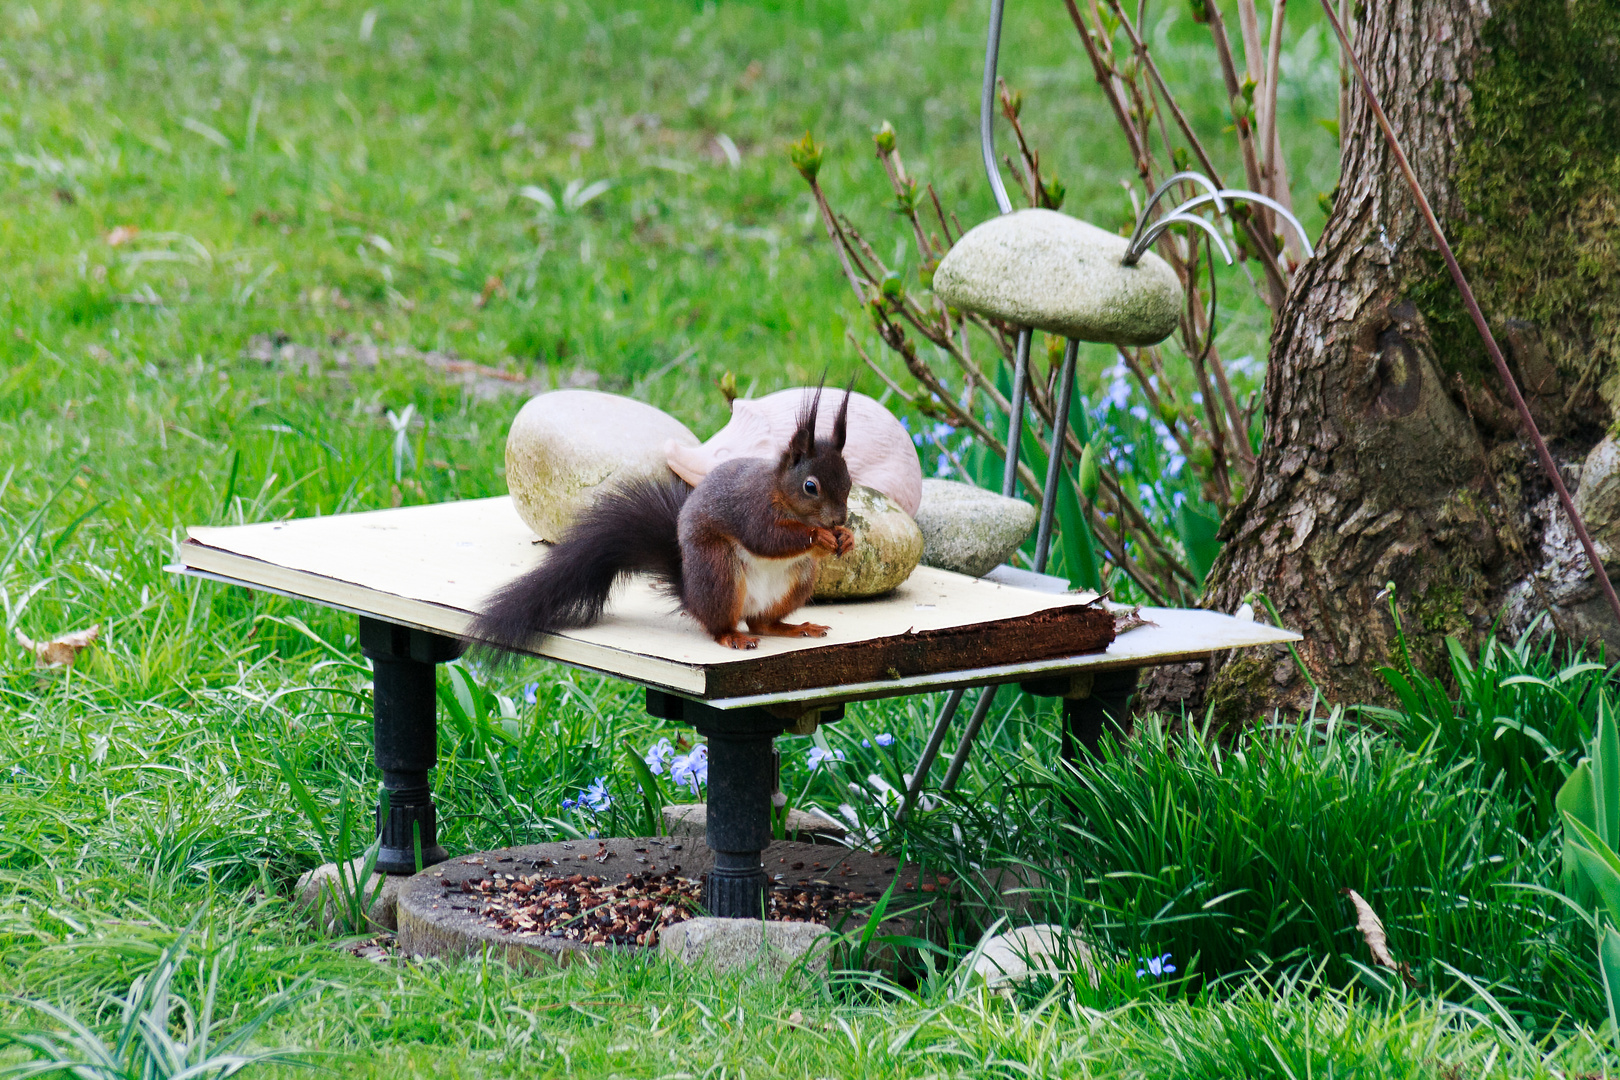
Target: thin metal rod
[
  {"x": 936, "y": 739},
  {"x": 987, "y": 109},
  {"x": 1548, "y": 466},
  {"x": 971, "y": 732},
  {"x": 1015, "y": 421},
  {"x": 1054, "y": 467}
]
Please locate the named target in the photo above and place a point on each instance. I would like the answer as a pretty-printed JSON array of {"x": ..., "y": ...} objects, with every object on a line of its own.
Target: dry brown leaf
[
  {"x": 60, "y": 651},
  {"x": 123, "y": 234},
  {"x": 1372, "y": 932}
]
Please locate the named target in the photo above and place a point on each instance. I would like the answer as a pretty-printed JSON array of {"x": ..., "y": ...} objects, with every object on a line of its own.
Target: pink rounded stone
[{"x": 877, "y": 448}]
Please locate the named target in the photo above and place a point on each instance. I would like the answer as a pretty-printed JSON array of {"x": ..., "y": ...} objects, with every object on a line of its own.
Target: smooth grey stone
[
  {"x": 743, "y": 944},
  {"x": 1052, "y": 272},
  {"x": 888, "y": 546},
  {"x": 1019, "y": 578},
  {"x": 970, "y": 530},
  {"x": 692, "y": 819},
  {"x": 317, "y": 892},
  {"x": 567, "y": 447}
]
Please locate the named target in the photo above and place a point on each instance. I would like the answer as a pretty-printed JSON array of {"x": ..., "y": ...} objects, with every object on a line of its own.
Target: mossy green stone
[{"x": 888, "y": 546}]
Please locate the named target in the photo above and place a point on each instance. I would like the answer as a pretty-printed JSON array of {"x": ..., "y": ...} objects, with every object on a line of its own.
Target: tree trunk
[{"x": 1389, "y": 453}]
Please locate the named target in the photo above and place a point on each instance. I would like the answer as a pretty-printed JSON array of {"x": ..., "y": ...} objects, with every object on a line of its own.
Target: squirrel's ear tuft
[
  {"x": 841, "y": 424},
  {"x": 803, "y": 443}
]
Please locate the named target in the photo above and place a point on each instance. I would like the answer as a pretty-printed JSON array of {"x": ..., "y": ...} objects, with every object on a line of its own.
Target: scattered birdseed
[{"x": 633, "y": 912}]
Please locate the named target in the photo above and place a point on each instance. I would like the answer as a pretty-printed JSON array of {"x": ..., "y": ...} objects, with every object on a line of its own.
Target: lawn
[{"x": 265, "y": 261}]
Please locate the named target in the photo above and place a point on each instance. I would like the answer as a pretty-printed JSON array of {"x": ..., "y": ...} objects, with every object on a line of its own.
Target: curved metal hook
[
  {"x": 1173, "y": 218},
  {"x": 987, "y": 109},
  {"x": 1253, "y": 196},
  {"x": 1147, "y": 208}
]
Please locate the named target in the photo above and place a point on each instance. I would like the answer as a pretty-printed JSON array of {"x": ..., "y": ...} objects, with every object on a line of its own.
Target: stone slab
[
  {"x": 436, "y": 922},
  {"x": 748, "y": 944}
]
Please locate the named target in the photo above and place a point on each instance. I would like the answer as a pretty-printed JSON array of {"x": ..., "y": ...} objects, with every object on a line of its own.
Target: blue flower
[
  {"x": 1156, "y": 966},
  {"x": 596, "y": 798},
  {"x": 660, "y": 754},
  {"x": 817, "y": 756},
  {"x": 883, "y": 739},
  {"x": 569, "y": 804},
  {"x": 691, "y": 769},
  {"x": 530, "y": 692}
]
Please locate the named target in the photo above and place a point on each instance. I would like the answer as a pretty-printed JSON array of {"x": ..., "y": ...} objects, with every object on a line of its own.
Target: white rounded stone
[
  {"x": 566, "y": 447},
  {"x": 877, "y": 449},
  {"x": 1052, "y": 272},
  {"x": 970, "y": 530},
  {"x": 1045, "y": 949},
  {"x": 888, "y": 546}
]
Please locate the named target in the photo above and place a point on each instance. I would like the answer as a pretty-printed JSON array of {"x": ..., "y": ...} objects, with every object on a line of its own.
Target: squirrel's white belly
[{"x": 767, "y": 581}]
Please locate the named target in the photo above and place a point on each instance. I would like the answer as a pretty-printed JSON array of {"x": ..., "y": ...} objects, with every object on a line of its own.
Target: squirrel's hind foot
[
  {"x": 731, "y": 639},
  {"x": 782, "y": 629}
]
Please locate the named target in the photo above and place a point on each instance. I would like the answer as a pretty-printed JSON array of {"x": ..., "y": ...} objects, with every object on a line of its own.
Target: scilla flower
[
  {"x": 817, "y": 756},
  {"x": 691, "y": 769},
  {"x": 1156, "y": 966},
  {"x": 659, "y": 756}
]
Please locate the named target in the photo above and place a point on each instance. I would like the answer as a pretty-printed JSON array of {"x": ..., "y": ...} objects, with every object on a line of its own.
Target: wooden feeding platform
[{"x": 416, "y": 575}]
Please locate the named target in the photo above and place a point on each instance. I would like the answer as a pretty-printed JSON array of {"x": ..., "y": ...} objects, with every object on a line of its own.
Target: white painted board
[{"x": 432, "y": 566}]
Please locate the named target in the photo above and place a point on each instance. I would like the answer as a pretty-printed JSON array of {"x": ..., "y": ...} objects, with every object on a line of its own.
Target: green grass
[{"x": 345, "y": 175}]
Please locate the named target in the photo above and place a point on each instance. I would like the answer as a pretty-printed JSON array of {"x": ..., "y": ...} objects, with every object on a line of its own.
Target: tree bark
[{"x": 1389, "y": 455}]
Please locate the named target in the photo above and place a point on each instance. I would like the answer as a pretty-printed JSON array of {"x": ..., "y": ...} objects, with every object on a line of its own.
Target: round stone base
[{"x": 437, "y": 919}]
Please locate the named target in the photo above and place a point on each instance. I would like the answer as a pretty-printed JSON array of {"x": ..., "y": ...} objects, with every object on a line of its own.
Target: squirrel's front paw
[
  {"x": 825, "y": 539},
  {"x": 845, "y": 541}
]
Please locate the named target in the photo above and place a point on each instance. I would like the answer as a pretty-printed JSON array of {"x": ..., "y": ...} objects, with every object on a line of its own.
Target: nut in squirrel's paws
[
  {"x": 838, "y": 541},
  {"x": 734, "y": 640}
]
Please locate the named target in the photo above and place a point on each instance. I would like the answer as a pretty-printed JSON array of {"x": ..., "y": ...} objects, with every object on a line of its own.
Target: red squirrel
[{"x": 742, "y": 546}]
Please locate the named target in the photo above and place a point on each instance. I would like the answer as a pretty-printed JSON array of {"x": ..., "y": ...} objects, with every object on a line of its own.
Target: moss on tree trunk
[{"x": 1390, "y": 454}]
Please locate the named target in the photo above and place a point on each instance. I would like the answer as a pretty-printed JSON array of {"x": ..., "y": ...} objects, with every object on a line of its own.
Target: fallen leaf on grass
[
  {"x": 61, "y": 651},
  {"x": 1372, "y": 932},
  {"x": 123, "y": 234}
]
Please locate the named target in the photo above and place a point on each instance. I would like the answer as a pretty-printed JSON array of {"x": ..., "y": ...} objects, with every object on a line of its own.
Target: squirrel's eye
[{"x": 810, "y": 487}]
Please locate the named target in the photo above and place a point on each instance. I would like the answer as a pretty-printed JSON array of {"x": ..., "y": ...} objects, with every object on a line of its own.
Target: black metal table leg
[
  {"x": 1092, "y": 704},
  {"x": 405, "y": 735},
  {"x": 742, "y": 773},
  {"x": 1106, "y": 709}
]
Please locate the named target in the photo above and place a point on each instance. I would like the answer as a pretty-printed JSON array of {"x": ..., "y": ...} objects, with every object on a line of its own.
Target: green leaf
[
  {"x": 1575, "y": 798},
  {"x": 651, "y": 795},
  {"x": 1075, "y": 541},
  {"x": 301, "y": 795},
  {"x": 1597, "y": 864},
  {"x": 1609, "y": 966},
  {"x": 1605, "y": 755},
  {"x": 1197, "y": 532}
]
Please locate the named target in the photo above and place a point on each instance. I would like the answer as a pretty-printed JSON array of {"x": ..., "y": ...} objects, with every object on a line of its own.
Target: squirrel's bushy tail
[{"x": 630, "y": 529}]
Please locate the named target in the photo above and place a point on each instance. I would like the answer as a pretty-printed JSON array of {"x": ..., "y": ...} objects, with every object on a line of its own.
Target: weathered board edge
[{"x": 1044, "y": 635}]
